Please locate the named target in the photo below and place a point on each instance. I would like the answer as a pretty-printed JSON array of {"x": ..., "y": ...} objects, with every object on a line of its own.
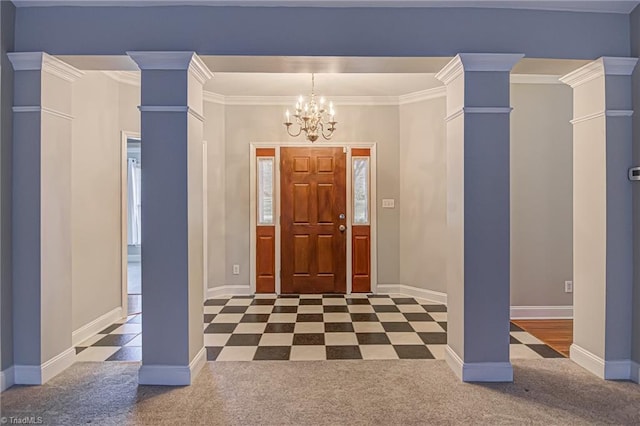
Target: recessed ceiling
[
  {"x": 343, "y": 76},
  {"x": 262, "y": 84},
  {"x": 603, "y": 6}
]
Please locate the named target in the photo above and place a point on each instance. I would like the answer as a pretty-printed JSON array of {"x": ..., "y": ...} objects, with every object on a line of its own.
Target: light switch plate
[{"x": 388, "y": 203}]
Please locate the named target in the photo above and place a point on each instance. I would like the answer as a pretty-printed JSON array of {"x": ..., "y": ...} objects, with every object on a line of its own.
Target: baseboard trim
[
  {"x": 95, "y": 326},
  {"x": 635, "y": 372},
  {"x": 228, "y": 290},
  {"x": 6, "y": 379},
  {"x": 421, "y": 293},
  {"x": 478, "y": 371},
  {"x": 624, "y": 369},
  {"x": 41, "y": 374},
  {"x": 172, "y": 375},
  {"x": 585, "y": 359},
  {"x": 541, "y": 312}
]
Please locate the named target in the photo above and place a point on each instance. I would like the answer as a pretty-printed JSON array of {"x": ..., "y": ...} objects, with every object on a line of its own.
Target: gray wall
[
  {"x": 95, "y": 198},
  {"x": 423, "y": 192},
  {"x": 214, "y": 134},
  {"x": 541, "y": 194},
  {"x": 356, "y": 124},
  {"x": 635, "y": 51},
  {"x": 7, "y": 14},
  {"x": 350, "y": 31}
]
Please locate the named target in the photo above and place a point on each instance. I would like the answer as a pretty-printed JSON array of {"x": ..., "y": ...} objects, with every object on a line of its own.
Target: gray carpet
[{"x": 549, "y": 392}]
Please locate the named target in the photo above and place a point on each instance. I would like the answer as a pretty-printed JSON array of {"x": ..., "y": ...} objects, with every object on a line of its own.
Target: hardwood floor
[{"x": 556, "y": 333}]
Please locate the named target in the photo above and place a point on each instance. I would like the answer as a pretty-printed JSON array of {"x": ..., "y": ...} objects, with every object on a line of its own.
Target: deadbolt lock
[{"x": 341, "y": 216}]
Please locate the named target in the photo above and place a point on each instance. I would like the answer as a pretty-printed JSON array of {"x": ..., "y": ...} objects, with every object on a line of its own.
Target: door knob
[{"x": 342, "y": 228}]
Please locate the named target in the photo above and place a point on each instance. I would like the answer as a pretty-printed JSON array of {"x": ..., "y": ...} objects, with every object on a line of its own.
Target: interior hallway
[{"x": 311, "y": 327}]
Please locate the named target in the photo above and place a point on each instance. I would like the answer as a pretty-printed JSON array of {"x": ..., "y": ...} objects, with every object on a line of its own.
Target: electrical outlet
[
  {"x": 236, "y": 269},
  {"x": 568, "y": 286}
]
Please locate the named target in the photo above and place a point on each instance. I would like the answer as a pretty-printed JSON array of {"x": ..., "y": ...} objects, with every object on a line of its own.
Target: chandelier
[{"x": 312, "y": 118}]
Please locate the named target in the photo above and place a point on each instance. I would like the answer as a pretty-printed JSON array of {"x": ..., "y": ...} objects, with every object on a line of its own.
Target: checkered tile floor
[{"x": 310, "y": 327}]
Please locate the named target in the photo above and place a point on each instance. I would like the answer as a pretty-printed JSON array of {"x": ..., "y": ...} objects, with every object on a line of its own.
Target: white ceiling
[
  {"x": 335, "y": 76},
  {"x": 611, "y": 6},
  {"x": 262, "y": 84}
]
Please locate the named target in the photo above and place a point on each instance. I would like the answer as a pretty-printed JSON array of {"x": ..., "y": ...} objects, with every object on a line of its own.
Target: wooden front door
[{"x": 313, "y": 220}]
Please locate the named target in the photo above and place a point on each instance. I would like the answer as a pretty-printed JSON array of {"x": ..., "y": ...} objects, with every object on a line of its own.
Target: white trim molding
[
  {"x": 478, "y": 110},
  {"x": 41, "y": 109},
  {"x": 40, "y": 61},
  {"x": 609, "y": 370},
  {"x": 228, "y": 290},
  {"x": 599, "y": 68},
  {"x": 199, "y": 69},
  {"x": 408, "y": 290},
  {"x": 422, "y": 95},
  {"x": 6, "y": 379},
  {"x": 126, "y": 77},
  {"x": 94, "y": 327},
  {"x": 606, "y": 113},
  {"x": 41, "y": 374},
  {"x": 587, "y": 117},
  {"x": 541, "y": 312},
  {"x": 172, "y": 375},
  {"x": 478, "y": 371}
]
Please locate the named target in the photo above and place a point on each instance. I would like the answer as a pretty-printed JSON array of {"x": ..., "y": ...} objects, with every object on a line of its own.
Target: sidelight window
[
  {"x": 266, "y": 208},
  {"x": 361, "y": 190}
]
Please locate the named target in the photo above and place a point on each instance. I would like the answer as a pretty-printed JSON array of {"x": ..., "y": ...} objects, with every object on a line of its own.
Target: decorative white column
[
  {"x": 602, "y": 216},
  {"x": 172, "y": 242},
  {"x": 41, "y": 216},
  {"x": 478, "y": 111}
]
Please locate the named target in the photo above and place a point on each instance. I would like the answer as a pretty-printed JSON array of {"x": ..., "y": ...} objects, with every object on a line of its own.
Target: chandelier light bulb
[{"x": 312, "y": 118}]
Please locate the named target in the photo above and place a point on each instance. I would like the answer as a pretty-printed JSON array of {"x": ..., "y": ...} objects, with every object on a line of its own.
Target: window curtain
[{"x": 134, "y": 235}]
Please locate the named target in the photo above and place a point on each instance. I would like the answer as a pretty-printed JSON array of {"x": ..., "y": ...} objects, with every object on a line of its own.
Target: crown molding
[
  {"x": 422, "y": 95},
  {"x": 584, "y": 74},
  {"x": 464, "y": 62},
  {"x": 213, "y": 98},
  {"x": 535, "y": 79},
  {"x": 199, "y": 69},
  {"x": 451, "y": 71},
  {"x": 40, "y": 61},
  {"x": 599, "y": 68},
  {"x": 126, "y": 77},
  {"x": 606, "y": 6},
  {"x": 291, "y": 100}
]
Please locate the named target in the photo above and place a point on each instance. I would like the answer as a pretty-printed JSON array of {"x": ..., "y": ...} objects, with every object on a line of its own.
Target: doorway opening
[{"x": 133, "y": 226}]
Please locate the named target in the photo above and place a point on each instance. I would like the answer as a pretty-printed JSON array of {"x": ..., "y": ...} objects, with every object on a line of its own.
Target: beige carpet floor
[{"x": 405, "y": 392}]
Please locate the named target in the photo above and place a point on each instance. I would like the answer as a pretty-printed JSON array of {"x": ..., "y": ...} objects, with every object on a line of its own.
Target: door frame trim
[{"x": 253, "y": 204}]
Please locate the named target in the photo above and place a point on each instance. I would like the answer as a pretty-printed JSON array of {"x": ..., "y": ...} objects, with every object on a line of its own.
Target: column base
[
  {"x": 624, "y": 369},
  {"x": 478, "y": 371},
  {"x": 172, "y": 375},
  {"x": 41, "y": 374}
]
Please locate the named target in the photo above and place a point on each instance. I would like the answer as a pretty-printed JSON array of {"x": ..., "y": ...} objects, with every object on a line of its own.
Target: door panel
[{"x": 313, "y": 188}]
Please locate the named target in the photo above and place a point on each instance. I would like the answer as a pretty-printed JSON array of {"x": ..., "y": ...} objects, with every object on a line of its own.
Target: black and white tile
[{"x": 311, "y": 327}]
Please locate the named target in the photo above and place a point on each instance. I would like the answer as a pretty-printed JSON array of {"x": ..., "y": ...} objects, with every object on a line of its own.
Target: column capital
[
  {"x": 605, "y": 65},
  {"x": 158, "y": 61},
  {"x": 41, "y": 61},
  {"x": 463, "y": 62}
]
